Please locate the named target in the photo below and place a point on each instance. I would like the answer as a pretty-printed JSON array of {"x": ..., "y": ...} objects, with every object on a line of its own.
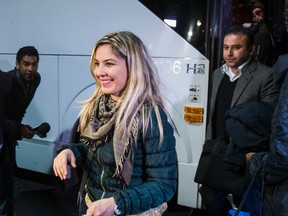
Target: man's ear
[{"x": 17, "y": 65}]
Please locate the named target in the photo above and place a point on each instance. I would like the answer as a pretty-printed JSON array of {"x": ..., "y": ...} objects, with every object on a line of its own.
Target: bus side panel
[{"x": 66, "y": 79}]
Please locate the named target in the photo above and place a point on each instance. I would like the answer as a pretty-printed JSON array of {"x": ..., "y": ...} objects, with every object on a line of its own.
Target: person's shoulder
[
  {"x": 258, "y": 67},
  {"x": 37, "y": 79},
  {"x": 218, "y": 69},
  {"x": 280, "y": 68},
  {"x": 281, "y": 63},
  {"x": 153, "y": 110},
  {"x": 217, "y": 73},
  {"x": 5, "y": 75},
  {"x": 11, "y": 73},
  {"x": 263, "y": 66},
  {"x": 5, "y": 81}
]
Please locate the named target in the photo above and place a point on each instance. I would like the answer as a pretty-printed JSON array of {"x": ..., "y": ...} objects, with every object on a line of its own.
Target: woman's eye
[{"x": 109, "y": 63}]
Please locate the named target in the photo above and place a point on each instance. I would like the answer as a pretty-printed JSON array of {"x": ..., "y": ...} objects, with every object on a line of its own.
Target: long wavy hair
[{"x": 142, "y": 86}]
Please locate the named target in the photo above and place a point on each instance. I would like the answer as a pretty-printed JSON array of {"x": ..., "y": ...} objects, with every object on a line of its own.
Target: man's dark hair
[
  {"x": 235, "y": 30},
  {"x": 27, "y": 50}
]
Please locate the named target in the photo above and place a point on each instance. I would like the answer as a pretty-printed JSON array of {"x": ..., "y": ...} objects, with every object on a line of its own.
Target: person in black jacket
[
  {"x": 274, "y": 164},
  {"x": 5, "y": 85},
  {"x": 25, "y": 80}
]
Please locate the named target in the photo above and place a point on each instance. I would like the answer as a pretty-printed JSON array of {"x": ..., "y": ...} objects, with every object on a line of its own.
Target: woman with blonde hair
[{"x": 127, "y": 135}]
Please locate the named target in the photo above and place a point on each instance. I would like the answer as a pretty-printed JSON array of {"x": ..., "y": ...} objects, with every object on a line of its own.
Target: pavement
[{"x": 34, "y": 199}]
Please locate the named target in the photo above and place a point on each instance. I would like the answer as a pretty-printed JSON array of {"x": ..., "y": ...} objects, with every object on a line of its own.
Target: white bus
[{"x": 64, "y": 32}]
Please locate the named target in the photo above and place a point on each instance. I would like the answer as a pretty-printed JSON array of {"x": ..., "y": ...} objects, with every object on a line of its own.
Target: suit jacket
[
  {"x": 255, "y": 84},
  {"x": 19, "y": 99},
  {"x": 16, "y": 103},
  {"x": 5, "y": 85}
]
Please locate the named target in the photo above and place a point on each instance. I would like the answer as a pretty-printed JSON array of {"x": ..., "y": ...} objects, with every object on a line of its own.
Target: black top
[
  {"x": 20, "y": 96},
  {"x": 223, "y": 103}
]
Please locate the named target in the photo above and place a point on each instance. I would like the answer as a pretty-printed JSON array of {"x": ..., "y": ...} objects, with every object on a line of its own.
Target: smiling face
[
  {"x": 235, "y": 50},
  {"x": 110, "y": 71}
]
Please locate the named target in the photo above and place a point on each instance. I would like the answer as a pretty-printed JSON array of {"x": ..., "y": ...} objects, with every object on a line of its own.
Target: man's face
[
  {"x": 235, "y": 50},
  {"x": 28, "y": 67}
]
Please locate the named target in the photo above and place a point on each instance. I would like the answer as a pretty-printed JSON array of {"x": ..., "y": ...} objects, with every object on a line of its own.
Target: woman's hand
[
  {"x": 103, "y": 207},
  {"x": 249, "y": 155},
  {"x": 61, "y": 163}
]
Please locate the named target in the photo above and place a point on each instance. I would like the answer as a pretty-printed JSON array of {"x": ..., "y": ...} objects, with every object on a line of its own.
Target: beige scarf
[{"x": 101, "y": 124}]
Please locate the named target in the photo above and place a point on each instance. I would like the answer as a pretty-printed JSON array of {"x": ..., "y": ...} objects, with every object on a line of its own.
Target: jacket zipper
[{"x": 102, "y": 174}]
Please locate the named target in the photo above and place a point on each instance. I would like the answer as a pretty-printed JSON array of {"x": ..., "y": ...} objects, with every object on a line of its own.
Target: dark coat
[
  {"x": 154, "y": 177},
  {"x": 16, "y": 103},
  {"x": 5, "y": 86},
  {"x": 275, "y": 169},
  {"x": 249, "y": 128},
  {"x": 278, "y": 155}
]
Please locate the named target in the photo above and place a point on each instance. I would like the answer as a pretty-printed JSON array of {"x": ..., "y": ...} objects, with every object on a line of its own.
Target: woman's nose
[{"x": 99, "y": 71}]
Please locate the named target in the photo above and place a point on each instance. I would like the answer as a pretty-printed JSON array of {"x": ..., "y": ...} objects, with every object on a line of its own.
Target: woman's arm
[
  {"x": 72, "y": 154},
  {"x": 160, "y": 162}
]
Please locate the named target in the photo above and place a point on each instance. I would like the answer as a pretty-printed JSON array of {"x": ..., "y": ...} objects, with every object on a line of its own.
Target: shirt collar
[{"x": 227, "y": 70}]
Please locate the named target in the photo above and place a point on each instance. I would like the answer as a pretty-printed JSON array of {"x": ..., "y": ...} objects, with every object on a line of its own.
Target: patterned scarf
[{"x": 101, "y": 124}]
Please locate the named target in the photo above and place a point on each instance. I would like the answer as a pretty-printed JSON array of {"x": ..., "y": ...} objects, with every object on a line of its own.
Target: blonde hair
[{"x": 142, "y": 86}]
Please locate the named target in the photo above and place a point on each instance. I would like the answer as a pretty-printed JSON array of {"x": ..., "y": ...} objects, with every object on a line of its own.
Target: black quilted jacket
[{"x": 275, "y": 166}]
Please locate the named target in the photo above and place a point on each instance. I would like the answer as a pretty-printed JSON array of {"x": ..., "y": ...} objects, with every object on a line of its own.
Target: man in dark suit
[
  {"x": 5, "y": 86},
  {"x": 241, "y": 79},
  {"x": 25, "y": 81}
]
